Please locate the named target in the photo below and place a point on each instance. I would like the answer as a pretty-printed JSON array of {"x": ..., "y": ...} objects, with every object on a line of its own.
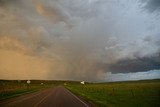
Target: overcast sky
[{"x": 92, "y": 40}]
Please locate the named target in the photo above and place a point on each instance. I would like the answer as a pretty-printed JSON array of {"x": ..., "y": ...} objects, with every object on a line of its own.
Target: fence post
[{"x": 132, "y": 92}]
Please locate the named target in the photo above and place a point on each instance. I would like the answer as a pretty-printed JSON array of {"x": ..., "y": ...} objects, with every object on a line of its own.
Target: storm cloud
[
  {"x": 152, "y": 5},
  {"x": 136, "y": 65},
  {"x": 78, "y": 40}
]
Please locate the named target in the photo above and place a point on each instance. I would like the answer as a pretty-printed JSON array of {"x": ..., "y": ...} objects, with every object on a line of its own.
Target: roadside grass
[
  {"x": 116, "y": 94},
  {"x": 12, "y": 88},
  {"x": 120, "y": 94},
  {"x": 11, "y": 94}
]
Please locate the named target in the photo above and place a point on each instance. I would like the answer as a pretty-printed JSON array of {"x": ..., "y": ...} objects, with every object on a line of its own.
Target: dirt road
[{"x": 57, "y": 97}]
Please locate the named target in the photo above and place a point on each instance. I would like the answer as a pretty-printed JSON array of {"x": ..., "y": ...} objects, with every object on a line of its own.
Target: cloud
[
  {"x": 136, "y": 65},
  {"x": 77, "y": 40},
  {"x": 12, "y": 44},
  {"x": 152, "y": 5},
  {"x": 153, "y": 74},
  {"x": 51, "y": 13}
]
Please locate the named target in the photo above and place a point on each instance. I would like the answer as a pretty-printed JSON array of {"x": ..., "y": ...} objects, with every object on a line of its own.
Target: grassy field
[
  {"x": 116, "y": 94},
  {"x": 12, "y": 88},
  {"x": 120, "y": 94}
]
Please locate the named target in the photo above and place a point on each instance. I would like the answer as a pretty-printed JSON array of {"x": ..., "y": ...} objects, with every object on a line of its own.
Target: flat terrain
[
  {"x": 12, "y": 88},
  {"x": 120, "y": 94},
  {"x": 53, "y": 93},
  {"x": 53, "y": 97}
]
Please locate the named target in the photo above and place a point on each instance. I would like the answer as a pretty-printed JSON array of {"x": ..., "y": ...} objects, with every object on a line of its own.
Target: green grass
[
  {"x": 116, "y": 94},
  {"x": 12, "y": 88},
  {"x": 120, "y": 94}
]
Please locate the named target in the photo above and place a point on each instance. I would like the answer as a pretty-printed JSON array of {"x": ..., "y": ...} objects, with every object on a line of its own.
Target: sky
[{"x": 91, "y": 40}]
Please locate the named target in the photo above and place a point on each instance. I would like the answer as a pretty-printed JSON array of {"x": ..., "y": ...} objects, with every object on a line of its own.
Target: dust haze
[{"x": 78, "y": 40}]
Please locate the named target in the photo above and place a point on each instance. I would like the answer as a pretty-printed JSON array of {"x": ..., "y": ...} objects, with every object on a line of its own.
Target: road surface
[{"x": 56, "y": 97}]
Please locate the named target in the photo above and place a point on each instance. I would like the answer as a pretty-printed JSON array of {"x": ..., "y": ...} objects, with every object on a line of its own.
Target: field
[
  {"x": 120, "y": 94},
  {"x": 12, "y": 88},
  {"x": 115, "y": 94}
]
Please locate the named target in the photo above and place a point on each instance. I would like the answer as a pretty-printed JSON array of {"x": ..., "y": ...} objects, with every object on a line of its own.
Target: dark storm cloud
[
  {"x": 136, "y": 65},
  {"x": 152, "y": 5}
]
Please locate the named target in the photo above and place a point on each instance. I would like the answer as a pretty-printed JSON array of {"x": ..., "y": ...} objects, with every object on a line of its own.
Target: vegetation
[
  {"x": 114, "y": 94},
  {"x": 12, "y": 88},
  {"x": 120, "y": 94}
]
